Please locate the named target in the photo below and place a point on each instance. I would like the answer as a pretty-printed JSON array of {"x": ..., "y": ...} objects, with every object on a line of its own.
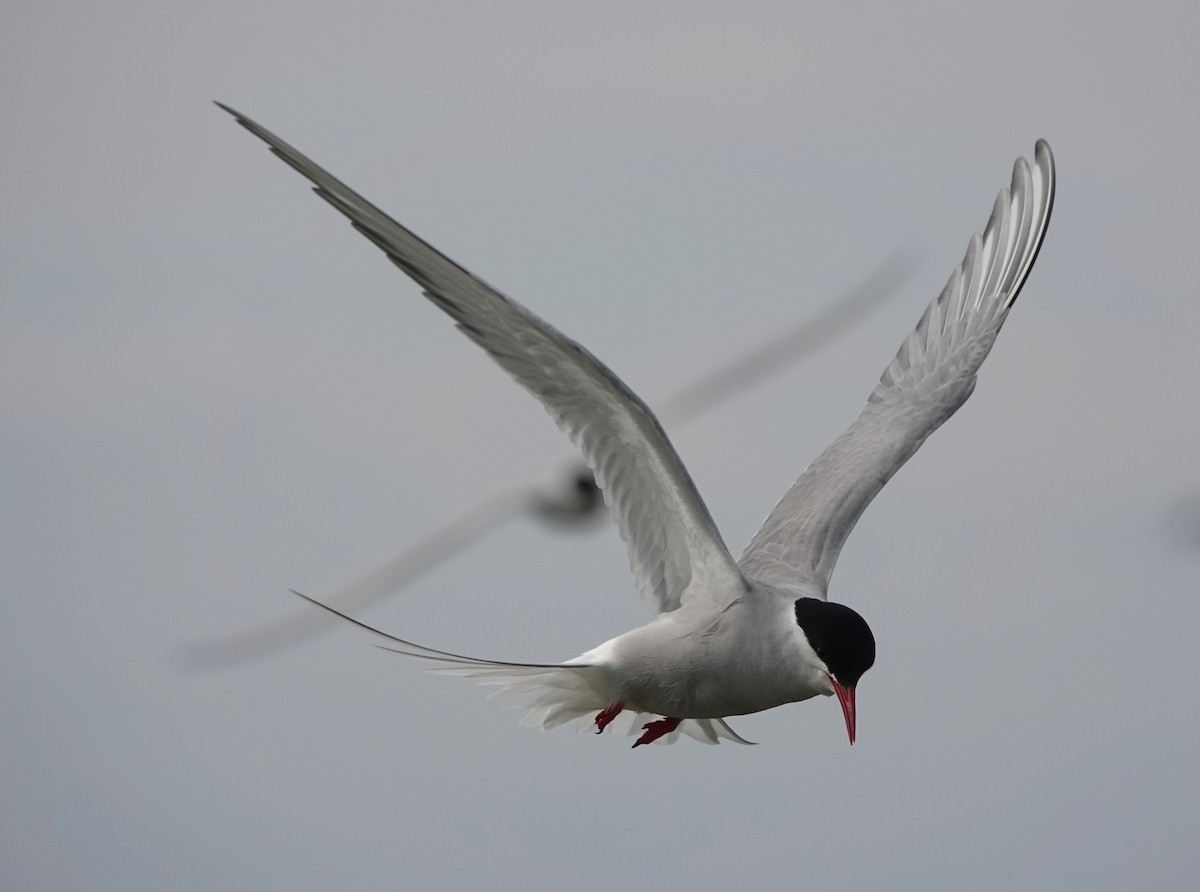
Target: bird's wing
[
  {"x": 932, "y": 375},
  {"x": 670, "y": 535}
]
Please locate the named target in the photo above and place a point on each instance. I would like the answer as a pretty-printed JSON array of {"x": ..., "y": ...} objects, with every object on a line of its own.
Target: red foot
[
  {"x": 609, "y": 713},
  {"x": 655, "y": 730}
]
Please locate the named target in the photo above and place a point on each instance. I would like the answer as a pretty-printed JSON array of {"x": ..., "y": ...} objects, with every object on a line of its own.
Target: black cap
[{"x": 841, "y": 638}]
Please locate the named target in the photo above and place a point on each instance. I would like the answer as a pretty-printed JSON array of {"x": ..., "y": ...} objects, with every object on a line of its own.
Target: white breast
[{"x": 697, "y": 663}]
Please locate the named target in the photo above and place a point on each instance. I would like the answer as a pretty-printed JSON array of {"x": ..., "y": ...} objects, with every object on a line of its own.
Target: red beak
[{"x": 845, "y": 695}]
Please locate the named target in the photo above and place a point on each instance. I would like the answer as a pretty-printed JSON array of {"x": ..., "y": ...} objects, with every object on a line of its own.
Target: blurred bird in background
[{"x": 566, "y": 498}]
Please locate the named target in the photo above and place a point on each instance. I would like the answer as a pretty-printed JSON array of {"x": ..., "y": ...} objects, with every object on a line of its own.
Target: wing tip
[
  {"x": 1042, "y": 152},
  {"x": 1044, "y": 159},
  {"x": 1042, "y": 188},
  {"x": 237, "y": 115}
]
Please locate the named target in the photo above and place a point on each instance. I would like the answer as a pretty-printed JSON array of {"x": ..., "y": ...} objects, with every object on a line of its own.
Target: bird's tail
[
  {"x": 555, "y": 694},
  {"x": 559, "y": 694}
]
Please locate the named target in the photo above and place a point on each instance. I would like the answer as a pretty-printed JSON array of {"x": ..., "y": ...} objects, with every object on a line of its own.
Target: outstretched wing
[
  {"x": 932, "y": 375},
  {"x": 670, "y": 535}
]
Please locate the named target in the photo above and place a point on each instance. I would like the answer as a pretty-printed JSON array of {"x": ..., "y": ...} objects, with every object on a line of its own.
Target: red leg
[
  {"x": 655, "y": 730},
  {"x": 609, "y": 713}
]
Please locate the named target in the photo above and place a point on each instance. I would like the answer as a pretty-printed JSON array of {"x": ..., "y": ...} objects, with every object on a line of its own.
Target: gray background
[{"x": 212, "y": 389}]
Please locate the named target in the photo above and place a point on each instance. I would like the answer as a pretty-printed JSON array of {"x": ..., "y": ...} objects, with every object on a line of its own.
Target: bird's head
[
  {"x": 843, "y": 643},
  {"x": 570, "y": 498}
]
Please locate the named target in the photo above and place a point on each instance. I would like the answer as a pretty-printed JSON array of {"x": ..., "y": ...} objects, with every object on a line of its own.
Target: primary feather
[
  {"x": 931, "y": 376},
  {"x": 667, "y": 529}
]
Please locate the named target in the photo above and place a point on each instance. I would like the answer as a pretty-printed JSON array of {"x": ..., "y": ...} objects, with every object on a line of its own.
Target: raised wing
[
  {"x": 932, "y": 375},
  {"x": 670, "y": 535}
]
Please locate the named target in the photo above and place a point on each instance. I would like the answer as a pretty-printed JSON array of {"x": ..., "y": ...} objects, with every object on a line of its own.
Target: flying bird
[
  {"x": 730, "y": 637},
  {"x": 566, "y": 498}
]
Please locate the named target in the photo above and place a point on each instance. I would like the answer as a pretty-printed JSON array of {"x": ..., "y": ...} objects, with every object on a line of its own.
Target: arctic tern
[{"x": 730, "y": 638}]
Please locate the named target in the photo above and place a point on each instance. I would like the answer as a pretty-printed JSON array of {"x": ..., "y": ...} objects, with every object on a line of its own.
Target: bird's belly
[{"x": 700, "y": 690}]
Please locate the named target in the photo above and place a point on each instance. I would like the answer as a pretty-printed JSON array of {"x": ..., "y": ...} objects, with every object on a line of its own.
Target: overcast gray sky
[{"x": 213, "y": 389}]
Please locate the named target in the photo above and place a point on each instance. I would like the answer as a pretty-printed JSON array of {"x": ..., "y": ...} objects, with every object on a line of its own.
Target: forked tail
[{"x": 555, "y": 694}]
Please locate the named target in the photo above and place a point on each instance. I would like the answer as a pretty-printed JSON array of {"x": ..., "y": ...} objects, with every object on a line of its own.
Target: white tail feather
[
  {"x": 559, "y": 695},
  {"x": 555, "y": 694}
]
